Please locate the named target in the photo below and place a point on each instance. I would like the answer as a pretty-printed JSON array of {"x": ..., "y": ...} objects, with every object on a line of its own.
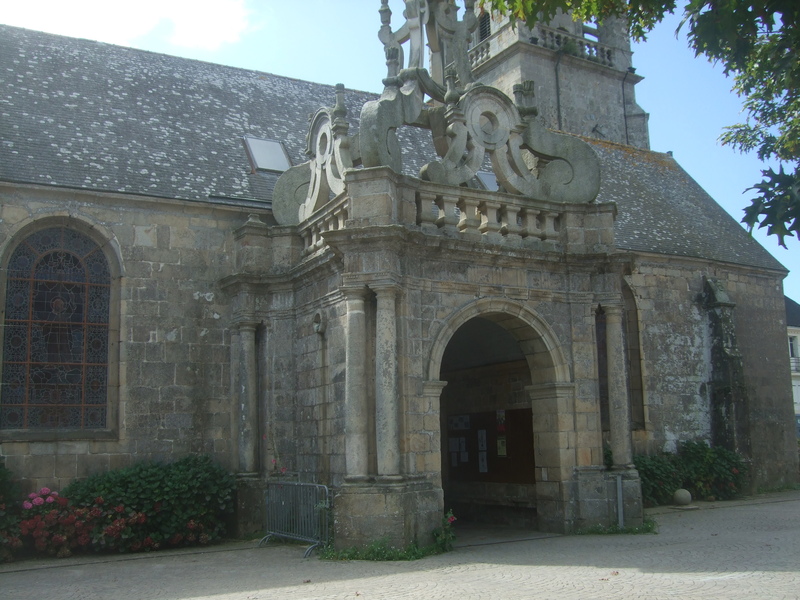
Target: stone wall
[
  {"x": 675, "y": 331},
  {"x": 173, "y": 339}
]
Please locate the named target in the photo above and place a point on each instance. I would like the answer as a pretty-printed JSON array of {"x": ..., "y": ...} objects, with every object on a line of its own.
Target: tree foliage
[{"x": 758, "y": 43}]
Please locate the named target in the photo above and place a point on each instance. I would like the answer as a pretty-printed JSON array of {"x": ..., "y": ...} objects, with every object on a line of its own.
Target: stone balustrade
[
  {"x": 555, "y": 39},
  {"x": 479, "y": 54},
  {"x": 378, "y": 197},
  {"x": 486, "y": 214},
  {"x": 329, "y": 218}
]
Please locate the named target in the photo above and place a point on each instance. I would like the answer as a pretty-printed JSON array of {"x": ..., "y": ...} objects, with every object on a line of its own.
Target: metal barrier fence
[{"x": 297, "y": 511}]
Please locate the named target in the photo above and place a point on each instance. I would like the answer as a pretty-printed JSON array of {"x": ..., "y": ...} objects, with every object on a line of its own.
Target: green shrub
[
  {"x": 711, "y": 472},
  {"x": 705, "y": 471},
  {"x": 9, "y": 515},
  {"x": 648, "y": 526},
  {"x": 660, "y": 476},
  {"x": 444, "y": 536},
  {"x": 150, "y": 505}
]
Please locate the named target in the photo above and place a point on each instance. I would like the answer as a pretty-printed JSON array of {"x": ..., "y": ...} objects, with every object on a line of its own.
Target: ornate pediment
[{"x": 467, "y": 120}]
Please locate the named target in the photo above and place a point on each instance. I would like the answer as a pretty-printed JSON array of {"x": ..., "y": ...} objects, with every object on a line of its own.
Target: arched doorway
[
  {"x": 505, "y": 378},
  {"x": 487, "y": 428}
]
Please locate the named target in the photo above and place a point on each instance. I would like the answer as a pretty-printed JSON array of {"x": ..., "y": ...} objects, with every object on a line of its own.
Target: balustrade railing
[
  {"x": 555, "y": 39},
  {"x": 329, "y": 218},
  {"x": 471, "y": 213},
  {"x": 479, "y": 54},
  {"x": 494, "y": 217},
  {"x": 794, "y": 363}
]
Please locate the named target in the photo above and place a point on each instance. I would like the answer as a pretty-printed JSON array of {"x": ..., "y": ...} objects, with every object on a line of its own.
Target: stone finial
[
  {"x": 451, "y": 96},
  {"x": 392, "y": 67},
  {"x": 339, "y": 123}
]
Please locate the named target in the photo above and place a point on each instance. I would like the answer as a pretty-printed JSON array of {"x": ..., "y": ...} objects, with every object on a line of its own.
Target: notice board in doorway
[{"x": 494, "y": 446}]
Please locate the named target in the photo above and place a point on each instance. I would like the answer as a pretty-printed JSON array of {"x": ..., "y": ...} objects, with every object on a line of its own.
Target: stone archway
[
  {"x": 520, "y": 346},
  {"x": 536, "y": 338}
]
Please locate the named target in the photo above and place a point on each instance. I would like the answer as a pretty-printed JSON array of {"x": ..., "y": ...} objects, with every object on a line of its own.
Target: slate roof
[
  {"x": 662, "y": 209},
  {"x": 792, "y": 312},
  {"x": 82, "y": 114}
]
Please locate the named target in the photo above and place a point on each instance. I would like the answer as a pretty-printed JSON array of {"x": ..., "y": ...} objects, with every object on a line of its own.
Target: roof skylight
[{"x": 266, "y": 155}]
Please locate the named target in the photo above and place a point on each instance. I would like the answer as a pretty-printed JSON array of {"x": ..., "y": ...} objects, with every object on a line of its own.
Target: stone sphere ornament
[{"x": 681, "y": 497}]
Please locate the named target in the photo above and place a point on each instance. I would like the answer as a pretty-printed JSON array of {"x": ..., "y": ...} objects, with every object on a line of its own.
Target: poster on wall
[
  {"x": 501, "y": 446},
  {"x": 483, "y": 464},
  {"x": 481, "y": 440}
]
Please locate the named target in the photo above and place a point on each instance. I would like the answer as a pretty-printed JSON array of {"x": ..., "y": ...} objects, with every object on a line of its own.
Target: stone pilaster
[
  {"x": 355, "y": 418},
  {"x": 618, "y": 400},
  {"x": 247, "y": 404},
  {"x": 387, "y": 423}
]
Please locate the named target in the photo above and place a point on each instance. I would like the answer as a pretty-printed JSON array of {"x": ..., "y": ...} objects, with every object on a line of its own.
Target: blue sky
[{"x": 335, "y": 41}]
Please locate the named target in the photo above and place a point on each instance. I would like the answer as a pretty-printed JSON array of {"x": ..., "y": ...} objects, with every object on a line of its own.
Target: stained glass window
[{"x": 56, "y": 333}]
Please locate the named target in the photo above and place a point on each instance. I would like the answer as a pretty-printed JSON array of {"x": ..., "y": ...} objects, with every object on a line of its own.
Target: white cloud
[{"x": 196, "y": 24}]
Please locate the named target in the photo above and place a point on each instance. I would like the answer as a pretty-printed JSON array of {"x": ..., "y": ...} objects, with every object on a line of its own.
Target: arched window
[{"x": 55, "y": 372}]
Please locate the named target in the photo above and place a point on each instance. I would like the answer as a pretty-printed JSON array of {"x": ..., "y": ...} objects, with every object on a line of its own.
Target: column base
[
  {"x": 398, "y": 513},
  {"x": 590, "y": 499},
  {"x": 249, "y": 518}
]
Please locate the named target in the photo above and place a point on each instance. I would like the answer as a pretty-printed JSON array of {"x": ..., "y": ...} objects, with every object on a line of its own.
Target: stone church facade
[{"x": 434, "y": 298}]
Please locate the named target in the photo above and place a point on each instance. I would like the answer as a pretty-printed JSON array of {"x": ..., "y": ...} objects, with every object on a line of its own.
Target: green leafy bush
[
  {"x": 705, "y": 471},
  {"x": 711, "y": 472},
  {"x": 9, "y": 515},
  {"x": 150, "y": 505},
  {"x": 660, "y": 475},
  {"x": 444, "y": 536}
]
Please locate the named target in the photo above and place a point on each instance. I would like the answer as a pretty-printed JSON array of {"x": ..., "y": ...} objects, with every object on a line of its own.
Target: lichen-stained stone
[{"x": 402, "y": 314}]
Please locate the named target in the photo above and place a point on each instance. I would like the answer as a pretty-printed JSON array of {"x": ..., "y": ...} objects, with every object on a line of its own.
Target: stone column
[
  {"x": 355, "y": 416},
  {"x": 248, "y": 398},
  {"x": 387, "y": 423},
  {"x": 619, "y": 413}
]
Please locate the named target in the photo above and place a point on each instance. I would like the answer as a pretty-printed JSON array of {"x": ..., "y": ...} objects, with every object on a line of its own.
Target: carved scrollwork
[
  {"x": 332, "y": 153},
  {"x": 467, "y": 121},
  {"x": 305, "y": 188},
  {"x": 526, "y": 158}
]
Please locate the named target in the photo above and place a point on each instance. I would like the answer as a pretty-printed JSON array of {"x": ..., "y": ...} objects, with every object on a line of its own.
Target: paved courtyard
[{"x": 744, "y": 549}]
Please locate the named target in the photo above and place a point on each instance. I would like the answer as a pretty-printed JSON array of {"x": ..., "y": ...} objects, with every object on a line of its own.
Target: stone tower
[{"x": 584, "y": 79}]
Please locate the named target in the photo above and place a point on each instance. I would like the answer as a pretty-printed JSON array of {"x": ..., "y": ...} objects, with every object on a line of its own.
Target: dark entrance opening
[{"x": 487, "y": 431}]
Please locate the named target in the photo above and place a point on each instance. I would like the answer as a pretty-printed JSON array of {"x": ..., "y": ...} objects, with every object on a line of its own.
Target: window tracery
[{"x": 56, "y": 334}]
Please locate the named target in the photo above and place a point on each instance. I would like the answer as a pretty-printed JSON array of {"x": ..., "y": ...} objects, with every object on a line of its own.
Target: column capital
[
  {"x": 354, "y": 292},
  {"x": 246, "y": 324},
  {"x": 433, "y": 388},
  {"x": 556, "y": 389},
  {"x": 385, "y": 288},
  {"x": 612, "y": 310}
]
